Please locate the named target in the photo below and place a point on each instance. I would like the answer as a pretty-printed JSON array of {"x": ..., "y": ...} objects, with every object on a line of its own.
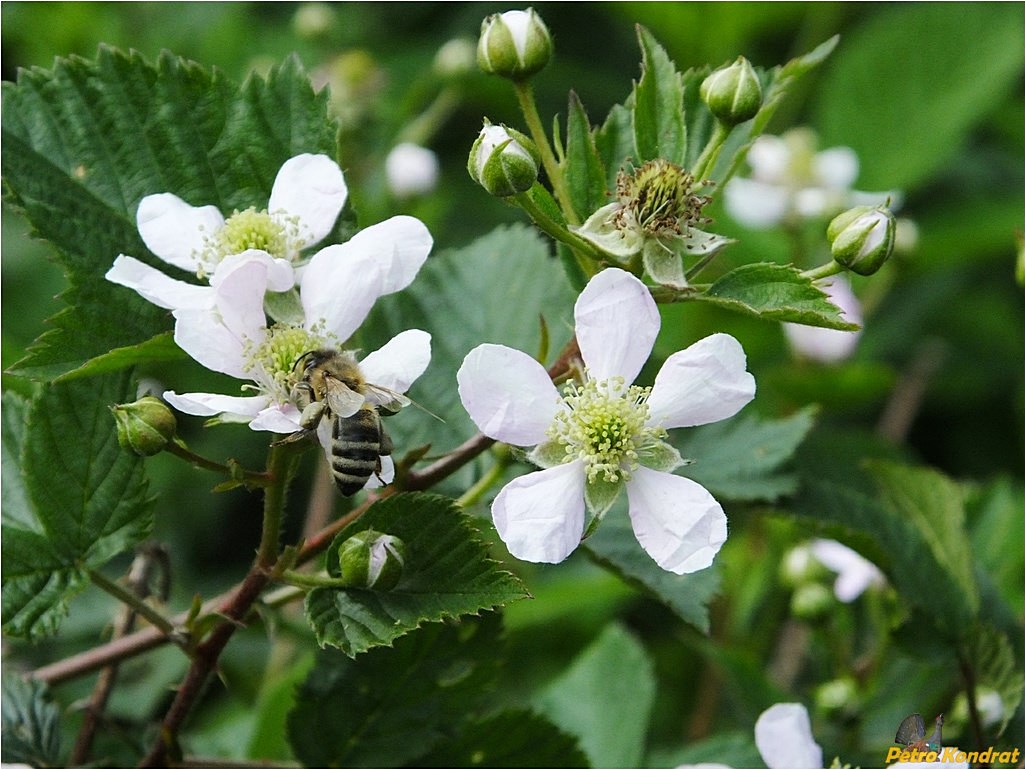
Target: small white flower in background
[
  {"x": 411, "y": 170},
  {"x": 605, "y": 435},
  {"x": 855, "y": 573},
  {"x": 829, "y": 345},
  {"x": 306, "y": 198},
  {"x": 790, "y": 180},
  {"x": 783, "y": 735},
  {"x": 338, "y": 288}
]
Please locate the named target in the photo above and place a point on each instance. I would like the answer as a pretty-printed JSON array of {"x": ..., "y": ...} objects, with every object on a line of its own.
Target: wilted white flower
[{"x": 604, "y": 435}]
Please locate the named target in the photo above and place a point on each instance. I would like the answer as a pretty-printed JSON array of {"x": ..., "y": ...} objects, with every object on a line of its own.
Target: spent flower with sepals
[
  {"x": 337, "y": 290},
  {"x": 308, "y": 193},
  {"x": 604, "y": 434},
  {"x": 655, "y": 219}
]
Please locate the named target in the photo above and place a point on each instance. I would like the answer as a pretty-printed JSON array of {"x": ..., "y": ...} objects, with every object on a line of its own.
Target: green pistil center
[
  {"x": 272, "y": 363},
  {"x": 659, "y": 197},
  {"x": 276, "y": 234},
  {"x": 603, "y": 425}
]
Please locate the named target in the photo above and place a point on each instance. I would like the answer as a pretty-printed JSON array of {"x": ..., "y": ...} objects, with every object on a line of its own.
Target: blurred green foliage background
[{"x": 930, "y": 95}]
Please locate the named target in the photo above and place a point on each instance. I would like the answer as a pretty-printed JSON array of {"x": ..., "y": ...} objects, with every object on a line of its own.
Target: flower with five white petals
[
  {"x": 337, "y": 290},
  {"x": 604, "y": 434},
  {"x": 308, "y": 193}
]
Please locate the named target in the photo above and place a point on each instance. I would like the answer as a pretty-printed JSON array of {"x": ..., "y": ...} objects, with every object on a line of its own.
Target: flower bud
[
  {"x": 733, "y": 93},
  {"x": 862, "y": 238},
  {"x": 514, "y": 44},
  {"x": 371, "y": 559},
  {"x": 839, "y": 695},
  {"x": 411, "y": 170},
  {"x": 812, "y": 601},
  {"x": 144, "y": 426},
  {"x": 503, "y": 161}
]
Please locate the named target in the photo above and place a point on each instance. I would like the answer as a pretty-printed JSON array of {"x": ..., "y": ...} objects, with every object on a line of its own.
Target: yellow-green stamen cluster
[
  {"x": 660, "y": 198},
  {"x": 604, "y": 427},
  {"x": 251, "y": 229},
  {"x": 272, "y": 363}
]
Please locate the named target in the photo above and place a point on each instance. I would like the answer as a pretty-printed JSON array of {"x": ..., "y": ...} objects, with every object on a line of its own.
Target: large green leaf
[
  {"x": 605, "y": 698},
  {"x": 777, "y": 293},
  {"x": 84, "y": 142},
  {"x": 392, "y": 705},
  {"x": 31, "y": 732},
  {"x": 992, "y": 659},
  {"x": 743, "y": 458},
  {"x": 658, "y": 117},
  {"x": 515, "y": 738},
  {"x": 87, "y": 502},
  {"x": 447, "y": 574},
  {"x": 905, "y": 90}
]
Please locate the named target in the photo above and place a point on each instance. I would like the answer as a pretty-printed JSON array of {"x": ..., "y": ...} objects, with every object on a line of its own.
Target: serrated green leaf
[
  {"x": 614, "y": 545},
  {"x": 699, "y": 121},
  {"x": 447, "y": 574},
  {"x": 777, "y": 293},
  {"x": 31, "y": 732},
  {"x": 741, "y": 458},
  {"x": 934, "y": 505},
  {"x": 605, "y": 699},
  {"x": 614, "y": 140},
  {"x": 393, "y": 704},
  {"x": 84, "y": 142},
  {"x": 160, "y": 348},
  {"x": 87, "y": 497},
  {"x": 515, "y": 738},
  {"x": 583, "y": 169},
  {"x": 658, "y": 116},
  {"x": 905, "y": 132},
  {"x": 15, "y": 504}
]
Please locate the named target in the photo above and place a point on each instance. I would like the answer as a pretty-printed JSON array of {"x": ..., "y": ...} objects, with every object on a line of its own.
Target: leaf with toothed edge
[{"x": 447, "y": 574}]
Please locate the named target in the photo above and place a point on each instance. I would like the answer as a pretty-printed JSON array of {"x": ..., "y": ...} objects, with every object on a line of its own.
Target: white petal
[
  {"x": 836, "y": 167},
  {"x": 676, "y": 520},
  {"x": 704, "y": 383},
  {"x": 411, "y": 170},
  {"x": 156, "y": 287},
  {"x": 756, "y": 205},
  {"x": 277, "y": 418},
  {"x": 540, "y": 516},
  {"x": 398, "y": 363},
  {"x": 206, "y": 404},
  {"x": 770, "y": 159},
  {"x": 174, "y": 230},
  {"x": 387, "y": 474},
  {"x": 616, "y": 322},
  {"x": 783, "y": 735},
  {"x": 855, "y": 573},
  {"x": 399, "y": 246},
  {"x": 829, "y": 345},
  {"x": 312, "y": 189},
  {"x": 201, "y": 334},
  {"x": 339, "y": 290},
  {"x": 281, "y": 276},
  {"x": 507, "y": 394}
]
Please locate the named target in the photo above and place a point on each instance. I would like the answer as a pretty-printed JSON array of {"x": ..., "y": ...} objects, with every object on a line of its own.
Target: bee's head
[{"x": 312, "y": 358}]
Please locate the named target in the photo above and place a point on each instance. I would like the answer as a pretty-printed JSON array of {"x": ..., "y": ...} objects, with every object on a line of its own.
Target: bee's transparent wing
[
  {"x": 342, "y": 400},
  {"x": 388, "y": 401}
]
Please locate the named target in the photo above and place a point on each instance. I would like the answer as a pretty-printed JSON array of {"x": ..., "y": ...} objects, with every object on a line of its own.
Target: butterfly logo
[{"x": 912, "y": 733}]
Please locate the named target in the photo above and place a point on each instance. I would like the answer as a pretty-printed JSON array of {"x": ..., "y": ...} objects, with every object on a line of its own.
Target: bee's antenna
[{"x": 301, "y": 357}]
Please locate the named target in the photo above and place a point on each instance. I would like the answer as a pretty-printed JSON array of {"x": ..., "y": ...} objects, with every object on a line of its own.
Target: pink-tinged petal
[
  {"x": 156, "y": 287},
  {"x": 398, "y": 363},
  {"x": 176, "y": 231},
  {"x": 676, "y": 520},
  {"x": 783, "y": 735},
  {"x": 507, "y": 394},
  {"x": 704, "y": 383},
  {"x": 540, "y": 516},
  {"x": 756, "y": 204},
  {"x": 399, "y": 246},
  {"x": 281, "y": 276},
  {"x": 338, "y": 290},
  {"x": 277, "y": 418},
  {"x": 312, "y": 189},
  {"x": 616, "y": 323},
  {"x": 207, "y": 404}
]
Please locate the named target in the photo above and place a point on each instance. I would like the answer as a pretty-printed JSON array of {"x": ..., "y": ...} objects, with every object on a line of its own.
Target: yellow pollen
[
  {"x": 272, "y": 363},
  {"x": 660, "y": 198},
  {"x": 251, "y": 229}
]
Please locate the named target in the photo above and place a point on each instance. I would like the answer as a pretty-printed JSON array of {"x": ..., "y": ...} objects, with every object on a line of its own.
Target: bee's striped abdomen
[{"x": 355, "y": 450}]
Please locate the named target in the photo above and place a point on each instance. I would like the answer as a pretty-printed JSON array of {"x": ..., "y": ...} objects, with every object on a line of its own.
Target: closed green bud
[
  {"x": 733, "y": 93},
  {"x": 145, "y": 426},
  {"x": 862, "y": 238},
  {"x": 812, "y": 601},
  {"x": 514, "y": 44},
  {"x": 371, "y": 559},
  {"x": 503, "y": 161},
  {"x": 839, "y": 695}
]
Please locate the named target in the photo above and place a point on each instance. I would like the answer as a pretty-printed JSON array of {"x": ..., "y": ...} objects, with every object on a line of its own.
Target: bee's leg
[
  {"x": 302, "y": 397},
  {"x": 312, "y": 414}
]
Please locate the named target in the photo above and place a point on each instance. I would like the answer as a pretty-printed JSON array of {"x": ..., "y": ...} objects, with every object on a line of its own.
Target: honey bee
[{"x": 341, "y": 407}]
